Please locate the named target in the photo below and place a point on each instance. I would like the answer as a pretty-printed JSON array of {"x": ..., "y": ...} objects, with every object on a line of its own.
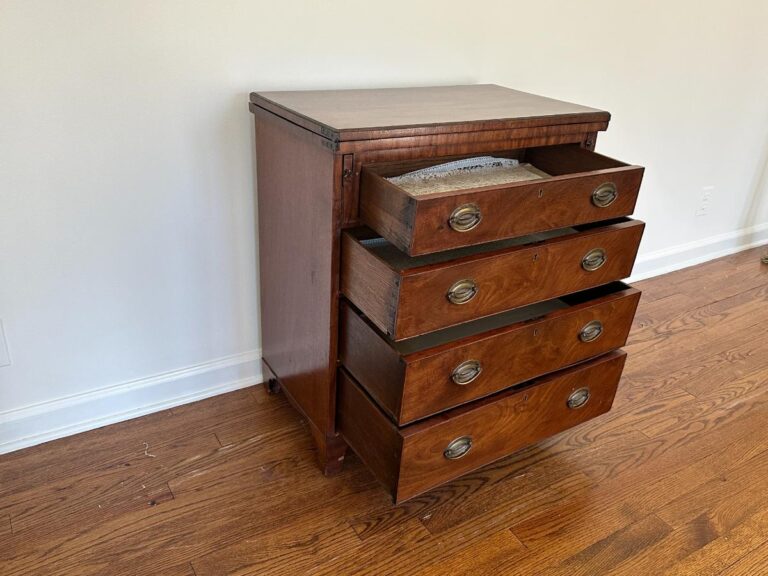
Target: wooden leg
[
  {"x": 331, "y": 450},
  {"x": 273, "y": 386}
]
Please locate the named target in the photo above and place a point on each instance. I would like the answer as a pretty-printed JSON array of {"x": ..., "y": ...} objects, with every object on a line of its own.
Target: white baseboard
[
  {"x": 685, "y": 255},
  {"x": 52, "y": 419}
]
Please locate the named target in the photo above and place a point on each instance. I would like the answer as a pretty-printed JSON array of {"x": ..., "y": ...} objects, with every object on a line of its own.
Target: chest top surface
[{"x": 374, "y": 113}]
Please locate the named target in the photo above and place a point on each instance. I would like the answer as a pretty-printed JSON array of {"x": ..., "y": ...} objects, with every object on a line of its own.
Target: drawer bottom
[{"x": 413, "y": 459}]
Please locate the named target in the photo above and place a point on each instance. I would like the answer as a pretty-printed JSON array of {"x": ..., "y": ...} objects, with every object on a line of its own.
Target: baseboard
[
  {"x": 38, "y": 423},
  {"x": 685, "y": 255}
]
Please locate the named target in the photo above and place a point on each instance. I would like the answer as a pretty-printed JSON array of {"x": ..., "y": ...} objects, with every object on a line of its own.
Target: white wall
[{"x": 127, "y": 264}]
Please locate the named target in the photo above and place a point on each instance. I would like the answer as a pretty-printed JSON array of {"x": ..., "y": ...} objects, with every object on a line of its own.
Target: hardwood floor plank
[
  {"x": 752, "y": 564},
  {"x": 183, "y": 569},
  {"x": 342, "y": 556},
  {"x": 671, "y": 450},
  {"x": 617, "y": 548},
  {"x": 390, "y": 553},
  {"x": 89, "y": 451},
  {"x": 271, "y": 456},
  {"x": 718, "y": 318},
  {"x": 404, "y": 548},
  {"x": 242, "y": 416},
  {"x": 669, "y": 550},
  {"x": 735, "y": 362},
  {"x": 69, "y": 503},
  {"x": 728, "y": 499},
  {"x": 498, "y": 553},
  {"x": 726, "y": 550},
  {"x": 696, "y": 375},
  {"x": 734, "y": 397},
  {"x": 192, "y": 525},
  {"x": 718, "y": 278},
  {"x": 631, "y": 416},
  {"x": 110, "y": 446},
  {"x": 509, "y": 503},
  {"x": 286, "y": 549},
  {"x": 570, "y": 525}
]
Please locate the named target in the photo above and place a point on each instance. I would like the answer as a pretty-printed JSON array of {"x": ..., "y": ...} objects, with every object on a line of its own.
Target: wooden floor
[{"x": 673, "y": 481}]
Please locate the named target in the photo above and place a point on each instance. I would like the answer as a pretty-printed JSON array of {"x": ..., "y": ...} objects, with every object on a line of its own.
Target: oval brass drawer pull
[
  {"x": 591, "y": 331},
  {"x": 462, "y": 291},
  {"x": 604, "y": 195},
  {"x": 458, "y": 448},
  {"x": 465, "y": 217},
  {"x": 593, "y": 259},
  {"x": 466, "y": 372},
  {"x": 578, "y": 398}
]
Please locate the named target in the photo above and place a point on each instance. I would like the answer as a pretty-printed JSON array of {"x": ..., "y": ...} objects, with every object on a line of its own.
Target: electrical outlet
[
  {"x": 5, "y": 357},
  {"x": 706, "y": 195}
]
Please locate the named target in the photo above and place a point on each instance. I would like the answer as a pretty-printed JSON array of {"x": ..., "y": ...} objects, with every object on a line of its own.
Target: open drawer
[
  {"x": 412, "y": 459},
  {"x": 409, "y": 296},
  {"x": 416, "y": 378},
  {"x": 575, "y": 186}
]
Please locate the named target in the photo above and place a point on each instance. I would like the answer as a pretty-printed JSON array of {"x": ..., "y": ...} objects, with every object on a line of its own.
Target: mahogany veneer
[
  {"x": 406, "y": 297},
  {"x": 434, "y": 343},
  {"x": 419, "y": 224},
  {"x": 411, "y": 380},
  {"x": 410, "y": 460}
]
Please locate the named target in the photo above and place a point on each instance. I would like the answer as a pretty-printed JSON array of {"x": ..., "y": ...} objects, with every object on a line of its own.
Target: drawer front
[
  {"x": 517, "y": 278},
  {"x": 584, "y": 187},
  {"x": 416, "y": 458},
  {"x": 406, "y": 297},
  {"x": 411, "y": 385}
]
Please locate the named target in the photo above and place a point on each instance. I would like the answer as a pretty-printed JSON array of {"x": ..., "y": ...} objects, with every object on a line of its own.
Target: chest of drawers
[{"x": 436, "y": 332}]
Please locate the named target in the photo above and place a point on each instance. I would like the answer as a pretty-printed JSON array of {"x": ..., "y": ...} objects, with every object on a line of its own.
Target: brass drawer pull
[
  {"x": 604, "y": 195},
  {"x": 466, "y": 372},
  {"x": 465, "y": 217},
  {"x": 593, "y": 259},
  {"x": 578, "y": 398},
  {"x": 591, "y": 331},
  {"x": 462, "y": 291},
  {"x": 458, "y": 448}
]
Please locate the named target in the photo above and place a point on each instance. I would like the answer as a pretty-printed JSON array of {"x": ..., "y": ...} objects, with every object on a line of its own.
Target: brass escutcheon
[
  {"x": 578, "y": 398},
  {"x": 462, "y": 291},
  {"x": 465, "y": 217},
  {"x": 604, "y": 195},
  {"x": 591, "y": 331},
  {"x": 458, "y": 448},
  {"x": 593, "y": 259},
  {"x": 466, "y": 372}
]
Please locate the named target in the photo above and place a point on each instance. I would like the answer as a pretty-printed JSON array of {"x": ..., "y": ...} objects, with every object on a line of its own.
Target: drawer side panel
[{"x": 368, "y": 431}]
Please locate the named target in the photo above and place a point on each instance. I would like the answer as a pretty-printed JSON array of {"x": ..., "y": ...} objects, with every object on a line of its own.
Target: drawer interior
[{"x": 535, "y": 164}]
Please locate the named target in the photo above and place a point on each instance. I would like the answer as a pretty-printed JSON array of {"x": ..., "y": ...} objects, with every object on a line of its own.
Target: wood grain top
[{"x": 391, "y": 112}]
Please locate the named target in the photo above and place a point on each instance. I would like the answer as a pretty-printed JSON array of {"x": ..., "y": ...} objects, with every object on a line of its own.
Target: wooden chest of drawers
[{"x": 434, "y": 333}]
